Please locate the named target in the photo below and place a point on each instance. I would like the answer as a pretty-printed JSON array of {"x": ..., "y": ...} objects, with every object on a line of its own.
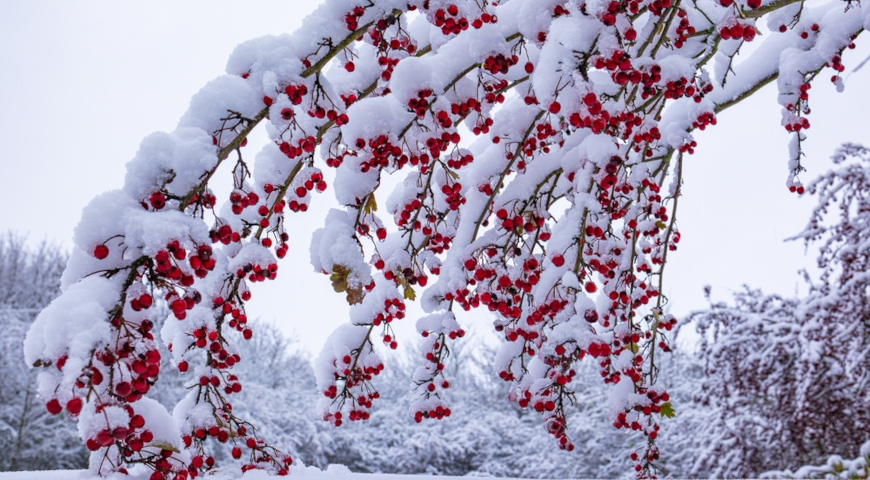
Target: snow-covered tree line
[
  {"x": 558, "y": 216},
  {"x": 29, "y": 436}
]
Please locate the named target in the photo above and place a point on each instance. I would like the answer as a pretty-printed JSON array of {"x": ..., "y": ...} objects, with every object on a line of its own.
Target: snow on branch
[{"x": 553, "y": 217}]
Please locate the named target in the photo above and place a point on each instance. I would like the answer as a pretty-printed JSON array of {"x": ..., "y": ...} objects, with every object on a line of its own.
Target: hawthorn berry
[
  {"x": 53, "y": 406},
  {"x": 74, "y": 406},
  {"x": 101, "y": 251}
]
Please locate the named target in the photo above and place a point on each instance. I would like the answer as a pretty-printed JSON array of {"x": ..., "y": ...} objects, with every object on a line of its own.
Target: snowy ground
[{"x": 333, "y": 472}]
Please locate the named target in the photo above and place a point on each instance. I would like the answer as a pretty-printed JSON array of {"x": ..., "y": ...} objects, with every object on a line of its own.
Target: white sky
[{"x": 81, "y": 83}]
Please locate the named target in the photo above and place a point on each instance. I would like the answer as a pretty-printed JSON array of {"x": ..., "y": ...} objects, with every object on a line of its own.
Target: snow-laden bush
[{"x": 558, "y": 217}]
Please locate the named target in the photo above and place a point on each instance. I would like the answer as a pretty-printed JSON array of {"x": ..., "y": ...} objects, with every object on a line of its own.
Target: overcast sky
[{"x": 81, "y": 83}]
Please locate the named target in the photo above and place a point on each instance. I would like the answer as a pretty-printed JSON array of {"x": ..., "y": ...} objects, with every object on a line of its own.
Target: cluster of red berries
[
  {"x": 507, "y": 305},
  {"x": 510, "y": 223},
  {"x": 394, "y": 309},
  {"x": 805, "y": 34},
  {"x": 531, "y": 145},
  {"x": 453, "y": 195},
  {"x": 436, "y": 145},
  {"x": 420, "y": 104},
  {"x": 403, "y": 216},
  {"x": 296, "y": 93},
  {"x": 439, "y": 243},
  {"x": 257, "y": 273},
  {"x": 657, "y": 7},
  {"x": 688, "y": 146},
  {"x": 166, "y": 263},
  {"x": 738, "y": 31},
  {"x": 303, "y": 145},
  {"x": 444, "y": 120},
  {"x": 608, "y": 18},
  {"x": 797, "y": 124},
  {"x": 796, "y": 187},
  {"x": 181, "y": 304},
  {"x": 450, "y": 22},
  {"x": 314, "y": 182},
  {"x": 684, "y": 30},
  {"x": 352, "y": 18},
  {"x": 493, "y": 91},
  {"x": 655, "y": 398},
  {"x": 649, "y": 136},
  {"x": 73, "y": 406},
  {"x": 264, "y": 211},
  {"x": 464, "y": 298},
  {"x": 207, "y": 199},
  {"x": 238, "y": 319},
  {"x": 499, "y": 63},
  {"x": 704, "y": 119},
  {"x": 387, "y": 64},
  {"x": 464, "y": 108},
  {"x": 438, "y": 412},
  {"x": 458, "y": 161},
  {"x": 363, "y": 400},
  {"x": 224, "y": 234},
  {"x": 545, "y": 311},
  {"x": 836, "y": 64},
  {"x": 649, "y": 79},
  {"x": 652, "y": 455},
  {"x": 241, "y": 200},
  {"x": 142, "y": 302},
  {"x": 337, "y": 160},
  {"x": 132, "y": 438},
  {"x": 681, "y": 87},
  {"x": 482, "y": 123},
  {"x": 331, "y": 114},
  {"x": 381, "y": 150}
]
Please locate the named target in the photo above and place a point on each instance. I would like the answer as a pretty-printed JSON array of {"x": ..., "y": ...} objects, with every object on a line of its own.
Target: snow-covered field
[{"x": 333, "y": 472}]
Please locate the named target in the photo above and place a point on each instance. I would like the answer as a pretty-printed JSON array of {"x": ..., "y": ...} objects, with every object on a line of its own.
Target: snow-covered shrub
[
  {"x": 558, "y": 216},
  {"x": 787, "y": 377}
]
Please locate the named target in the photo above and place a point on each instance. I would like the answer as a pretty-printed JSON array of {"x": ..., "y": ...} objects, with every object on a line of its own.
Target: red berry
[
  {"x": 137, "y": 421},
  {"x": 349, "y": 66},
  {"x": 123, "y": 389},
  {"x": 74, "y": 406},
  {"x": 53, "y": 406},
  {"x": 145, "y": 301},
  {"x": 101, "y": 251},
  {"x": 158, "y": 200},
  {"x": 555, "y": 107}
]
